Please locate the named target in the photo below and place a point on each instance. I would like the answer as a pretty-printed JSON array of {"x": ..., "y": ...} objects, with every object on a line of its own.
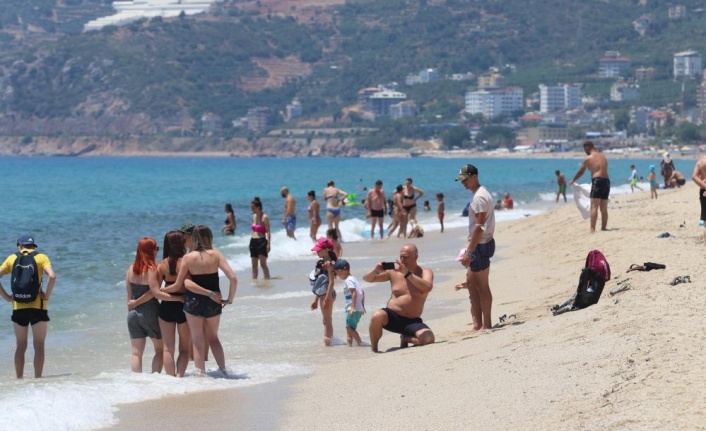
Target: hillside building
[
  {"x": 677, "y": 12},
  {"x": 644, "y": 73},
  {"x": 701, "y": 101},
  {"x": 211, "y": 124},
  {"x": 622, "y": 91},
  {"x": 613, "y": 65},
  {"x": 258, "y": 119},
  {"x": 403, "y": 110},
  {"x": 424, "y": 77},
  {"x": 559, "y": 97},
  {"x": 643, "y": 24},
  {"x": 293, "y": 110},
  {"x": 494, "y": 102},
  {"x": 491, "y": 80},
  {"x": 687, "y": 64},
  {"x": 133, "y": 10},
  {"x": 378, "y": 102}
]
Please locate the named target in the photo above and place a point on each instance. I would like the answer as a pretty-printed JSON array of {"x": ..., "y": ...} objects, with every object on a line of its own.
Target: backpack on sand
[
  {"x": 591, "y": 283},
  {"x": 25, "y": 278}
]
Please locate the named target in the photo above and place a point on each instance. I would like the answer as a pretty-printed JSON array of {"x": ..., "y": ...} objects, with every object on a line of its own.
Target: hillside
[{"x": 160, "y": 76}]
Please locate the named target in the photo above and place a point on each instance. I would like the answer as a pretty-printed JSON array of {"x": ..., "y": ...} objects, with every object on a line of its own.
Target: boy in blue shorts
[{"x": 355, "y": 301}]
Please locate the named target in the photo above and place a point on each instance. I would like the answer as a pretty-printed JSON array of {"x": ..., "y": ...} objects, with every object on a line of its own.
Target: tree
[
  {"x": 688, "y": 132},
  {"x": 455, "y": 137}
]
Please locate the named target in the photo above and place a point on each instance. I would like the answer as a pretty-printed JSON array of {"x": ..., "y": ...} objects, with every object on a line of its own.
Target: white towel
[{"x": 582, "y": 197}]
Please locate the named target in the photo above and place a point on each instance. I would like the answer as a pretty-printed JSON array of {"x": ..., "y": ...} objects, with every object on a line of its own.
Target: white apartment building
[
  {"x": 494, "y": 102},
  {"x": 559, "y": 97},
  {"x": 687, "y": 64}
]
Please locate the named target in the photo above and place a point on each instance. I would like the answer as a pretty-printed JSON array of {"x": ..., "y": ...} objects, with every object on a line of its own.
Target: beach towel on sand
[{"x": 582, "y": 197}]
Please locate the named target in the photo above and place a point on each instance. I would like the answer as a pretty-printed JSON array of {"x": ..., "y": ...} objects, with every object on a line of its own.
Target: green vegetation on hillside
[{"x": 163, "y": 68}]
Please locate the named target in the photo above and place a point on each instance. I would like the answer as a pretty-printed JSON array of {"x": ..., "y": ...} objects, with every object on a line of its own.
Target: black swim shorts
[
  {"x": 377, "y": 213},
  {"x": 681, "y": 181},
  {"x": 202, "y": 307},
  {"x": 29, "y": 316},
  {"x": 403, "y": 325},
  {"x": 702, "y": 201},
  {"x": 480, "y": 258},
  {"x": 600, "y": 188},
  {"x": 258, "y": 247}
]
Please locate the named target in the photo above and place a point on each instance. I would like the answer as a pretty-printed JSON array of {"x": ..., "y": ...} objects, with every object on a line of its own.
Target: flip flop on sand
[{"x": 680, "y": 279}]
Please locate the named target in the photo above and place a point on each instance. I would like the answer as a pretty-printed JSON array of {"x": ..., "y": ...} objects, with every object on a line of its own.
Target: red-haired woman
[
  {"x": 143, "y": 306},
  {"x": 171, "y": 310}
]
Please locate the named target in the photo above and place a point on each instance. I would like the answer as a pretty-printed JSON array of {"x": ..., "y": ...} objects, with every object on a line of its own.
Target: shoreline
[{"x": 528, "y": 372}]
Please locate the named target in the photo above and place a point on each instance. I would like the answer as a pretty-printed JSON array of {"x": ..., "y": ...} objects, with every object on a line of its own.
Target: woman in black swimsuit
[
  {"x": 229, "y": 226},
  {"x": 203, "y": 302},
  {"x": 410, "y": 195},
  {"x": 172, "y": 319}
]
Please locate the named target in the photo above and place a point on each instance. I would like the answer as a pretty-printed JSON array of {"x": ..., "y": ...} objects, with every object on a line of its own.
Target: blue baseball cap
[{"x": 27, "y": 239}]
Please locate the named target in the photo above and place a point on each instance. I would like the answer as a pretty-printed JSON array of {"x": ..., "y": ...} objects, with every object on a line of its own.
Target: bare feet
[{"x": 327, "y": 342}]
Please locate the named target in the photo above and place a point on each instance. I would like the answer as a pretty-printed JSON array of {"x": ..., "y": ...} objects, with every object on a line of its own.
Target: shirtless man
[
  {"x": 699, "y": 177},
  {"x": 410, "y": 284},
  {"x": 561, "y": 183},
  {"x": 289, "y": 219},
  {"x": 600, "y": 184},
  {"x": 376, "y": 205},
  {"x": 676, "y": 180}
]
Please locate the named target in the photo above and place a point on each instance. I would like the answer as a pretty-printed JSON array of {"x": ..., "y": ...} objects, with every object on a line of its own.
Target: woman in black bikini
[
  {"x": 410, "y": 195},
  {"x": 229, "y": 226},
  {"x": 203, "y": 303},
  {"x": 171, "y": 310}
]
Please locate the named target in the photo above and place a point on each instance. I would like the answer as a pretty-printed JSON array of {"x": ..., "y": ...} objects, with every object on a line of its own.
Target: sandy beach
[{"x": 633, "y": 361}]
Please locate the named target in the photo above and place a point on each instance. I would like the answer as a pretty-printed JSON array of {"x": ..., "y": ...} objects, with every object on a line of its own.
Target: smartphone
[{"x": 388, "y": 265}]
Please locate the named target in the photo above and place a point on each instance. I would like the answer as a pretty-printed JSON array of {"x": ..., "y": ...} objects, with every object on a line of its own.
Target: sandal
[
  {"x": 680, "y": 279},
  {"x": 636, "y": 267}
]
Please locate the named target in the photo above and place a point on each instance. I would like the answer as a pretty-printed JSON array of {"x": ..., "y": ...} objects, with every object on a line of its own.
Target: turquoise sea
[{"x": 88, "y": 213}]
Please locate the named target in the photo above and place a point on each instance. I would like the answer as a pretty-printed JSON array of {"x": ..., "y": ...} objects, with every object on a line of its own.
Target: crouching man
[{"x": 410, "y": 285}]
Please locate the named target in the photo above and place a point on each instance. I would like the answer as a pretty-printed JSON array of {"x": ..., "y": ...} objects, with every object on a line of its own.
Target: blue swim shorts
[
  {"x": 480, "y": 258},
  {"x": 290, "y": 223},
  {"x": 352, "y": 319}
]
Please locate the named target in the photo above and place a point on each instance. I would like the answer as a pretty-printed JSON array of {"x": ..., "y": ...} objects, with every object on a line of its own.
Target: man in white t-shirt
[{"x": 480, "y": 247}]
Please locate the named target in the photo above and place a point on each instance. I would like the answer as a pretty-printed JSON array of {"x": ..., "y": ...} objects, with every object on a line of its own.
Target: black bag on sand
[{"x": 591, "y": 283}]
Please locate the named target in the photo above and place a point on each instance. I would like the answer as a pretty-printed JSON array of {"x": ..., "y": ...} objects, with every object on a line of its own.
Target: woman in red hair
[{"x": 143, "y": 306}]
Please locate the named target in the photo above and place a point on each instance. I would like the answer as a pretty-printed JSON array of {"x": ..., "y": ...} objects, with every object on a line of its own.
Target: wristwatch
[{"x": 408, "y": 274}]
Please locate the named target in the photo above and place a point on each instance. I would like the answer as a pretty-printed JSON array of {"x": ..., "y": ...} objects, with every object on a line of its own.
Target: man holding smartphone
[
  {"x": 480, "y": 247},
  {"x": 410, "y": 285}
]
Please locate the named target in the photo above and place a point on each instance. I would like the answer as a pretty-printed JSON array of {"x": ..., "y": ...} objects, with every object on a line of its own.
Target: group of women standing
[{"x": 191, "y": 301}]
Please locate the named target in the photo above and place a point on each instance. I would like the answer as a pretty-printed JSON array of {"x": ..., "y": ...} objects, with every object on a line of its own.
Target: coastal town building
[
  {"x": 687, "y": 64},
  {"x": 677, "y": 12},
  {"x": 133, "y": 10},
  {"x": 211, "y": 124},
  {"x": 423, "y": 77},
  {"x": 258, "y": 119},
  {"x": 638, "y": 118},
  {"x": 379, "y": 101},
  {"x": 643, "y": 24},
  {"x": 559, "y": 97},
  {"x": 644, "y": 73},
  {"x": 622, "y": 91},
  {"x": 293, "y": 110},
  {"x": 701, "y": 101},
  {"x": 491, "y": 80},
  {"x": 494, "y": 102},
  {"x": 612, "y": 65},
  {"x": 403, "y": 110}
]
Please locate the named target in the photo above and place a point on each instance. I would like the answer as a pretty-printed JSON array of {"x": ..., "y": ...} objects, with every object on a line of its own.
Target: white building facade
[
  {"x": 495, "y": 102},
  {"x": 554, "y": 98},
  {"x": 687, "y": 64}
]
